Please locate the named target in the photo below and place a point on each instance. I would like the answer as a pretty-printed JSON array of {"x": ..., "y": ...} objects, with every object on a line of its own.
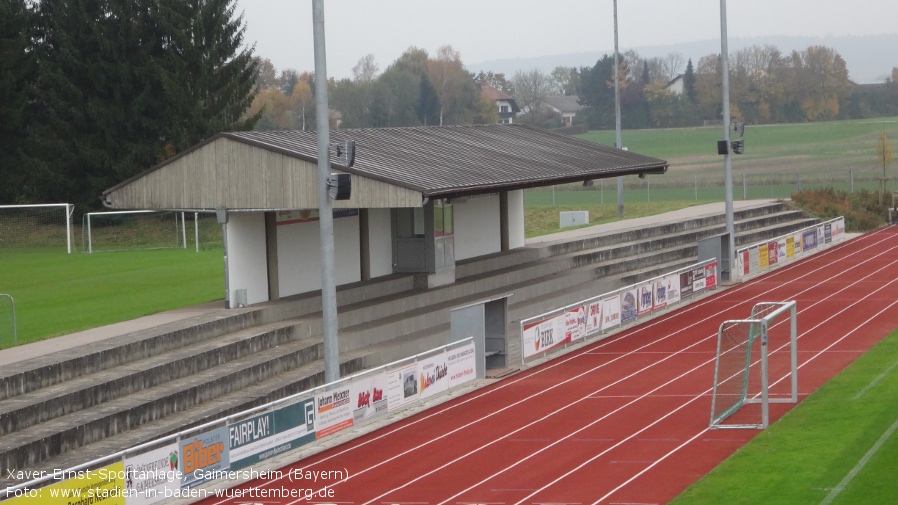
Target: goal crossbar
[{"x": 734, "y": 364}]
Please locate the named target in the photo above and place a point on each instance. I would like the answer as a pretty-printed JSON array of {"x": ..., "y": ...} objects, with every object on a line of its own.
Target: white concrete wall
[
  {"x": 380, "y": 242},
  {"x": 477, "y": 227},
  {"x": 299, "y": 255},
  {"x": 515, "y": 219},
  {"x": 247, "y": 263}
]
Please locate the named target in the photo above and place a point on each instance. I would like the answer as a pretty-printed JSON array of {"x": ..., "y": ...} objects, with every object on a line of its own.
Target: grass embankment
[{"x": 838, "y": 446}]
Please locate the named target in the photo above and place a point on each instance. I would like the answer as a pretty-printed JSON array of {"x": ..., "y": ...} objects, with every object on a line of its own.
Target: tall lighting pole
[
  {"x": 325, "y": 209},
  {"x": 617, "y": 137},
  {"x": 728, "y": 167}
]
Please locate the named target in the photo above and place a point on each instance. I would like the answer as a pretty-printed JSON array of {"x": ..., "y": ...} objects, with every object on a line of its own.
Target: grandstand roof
[{"x": 394, "y": 167}]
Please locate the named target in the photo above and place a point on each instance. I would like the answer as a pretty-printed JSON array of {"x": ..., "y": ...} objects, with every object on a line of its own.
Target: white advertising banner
[
  {"x": 462, "y": 363},
  {"x": 333, "y": 411},
  {"x": 402, "y": 386},
  {"x": 433, "y": 375},
  {"x": 152, "y": 475},
  {"x": 611, "y": 315},
  {"x": 369, "y": 394}
]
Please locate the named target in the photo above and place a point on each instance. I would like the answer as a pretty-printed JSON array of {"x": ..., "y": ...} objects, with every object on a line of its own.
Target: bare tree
[
  {"x": 447, "y": 75},
  {"x": 365, "y": 71},
  {"x": 531, "y": 89}
]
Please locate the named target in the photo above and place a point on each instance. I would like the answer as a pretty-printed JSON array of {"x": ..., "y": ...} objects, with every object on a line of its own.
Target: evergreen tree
[
  {"x": 18, "y": 72},
  {"x": 208, "y": 79},
  {"x": 98, "y": 121},
  {"x": 689, "y": 82}
]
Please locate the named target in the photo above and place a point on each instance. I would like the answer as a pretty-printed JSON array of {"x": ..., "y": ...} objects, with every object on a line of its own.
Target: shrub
[{"x": 861, "y": 209}]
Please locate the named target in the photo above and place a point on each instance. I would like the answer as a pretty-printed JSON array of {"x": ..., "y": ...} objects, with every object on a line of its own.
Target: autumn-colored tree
[{"x": 447, "y": 75}]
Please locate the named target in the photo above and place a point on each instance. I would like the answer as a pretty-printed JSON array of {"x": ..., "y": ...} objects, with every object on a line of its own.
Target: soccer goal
[
  {"x": 130, "y": 230},
  {"x": 742, "y": 390},
  {"x": 44, "y": 225}
]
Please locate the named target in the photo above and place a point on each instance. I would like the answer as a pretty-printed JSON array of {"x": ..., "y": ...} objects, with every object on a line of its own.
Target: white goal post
[
  {"x": 127, "y": 230},
  {"x": 37, "y": 225},
  {"x": 742, "y": 365}
]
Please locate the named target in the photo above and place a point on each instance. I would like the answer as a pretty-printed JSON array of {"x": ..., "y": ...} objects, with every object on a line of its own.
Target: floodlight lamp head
[{"x": 739, "y": 127}]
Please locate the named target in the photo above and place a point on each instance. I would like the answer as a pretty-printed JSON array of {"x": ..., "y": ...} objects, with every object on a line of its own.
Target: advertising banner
[
  {"x": 544, "y": 335},
  {"x": 763, "y": 257},
  {"x": 809, "y": 239},
  {"x": 462, "y": 363},
  {"x": 261, "y": 437},
  {"x": 686, "y": 283},
  {"x": 203, "y": 455},
  {"x": 798, "y": 246},
  {"x": 402, "y": 386},
  {"x": 711, "y": 275},
  {"x": 370, "y": 395},
  {"x": 611, "y": 312},
  {"x": 827, "y": 233},
  {"x": 151, "y": 476},
  {"x": 698, "y": 279},
  {"x": 659, "y": 294},
  {"x": 742, "y": 263},
  {"x": 333, "y": 411},
  {"x": 790, "y": 247},
  {"x": 781, "y": 250},
  {"x": 772, "y": 253},
  {"x": 644, "y": 295},
  {"x": 628, "y": 306},
  {"x": 575, "y": 324},
  {"x": 433, "y": 375},
  {"x": 594, "y": 317},
  {"x": 672, "y": 285}
]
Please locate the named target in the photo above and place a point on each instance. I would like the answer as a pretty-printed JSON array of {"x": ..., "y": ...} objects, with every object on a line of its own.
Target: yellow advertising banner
[{"x": 84, "y": 487}]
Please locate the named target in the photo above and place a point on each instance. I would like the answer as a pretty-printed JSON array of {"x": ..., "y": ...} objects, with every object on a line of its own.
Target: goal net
[
  {"x": 148, "y": 229},
  {"x": 131, "y": 230},
  {"x": 745, "y": 363},
  {"x": 46, "y": 225}
]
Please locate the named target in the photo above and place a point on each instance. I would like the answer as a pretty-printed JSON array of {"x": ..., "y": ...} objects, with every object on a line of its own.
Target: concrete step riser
[
  {"x": 78, "y": 436},
  {"x": 144, "y": 378}
]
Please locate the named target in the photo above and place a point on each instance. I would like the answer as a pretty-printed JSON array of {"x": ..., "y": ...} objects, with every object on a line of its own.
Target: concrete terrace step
[
  {"x": 306, "y": 377},
  {"x": 83, "y": 427},
  {"x": 83, "y": 392}
]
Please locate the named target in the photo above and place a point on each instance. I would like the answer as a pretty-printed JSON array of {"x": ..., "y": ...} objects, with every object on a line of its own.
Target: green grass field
[
  {"x": 837, "y": 446},
  {"x": 57, "y": 293}
]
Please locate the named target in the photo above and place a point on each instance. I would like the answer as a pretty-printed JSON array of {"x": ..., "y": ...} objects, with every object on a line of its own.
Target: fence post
[{"x": 15, "y": 338}]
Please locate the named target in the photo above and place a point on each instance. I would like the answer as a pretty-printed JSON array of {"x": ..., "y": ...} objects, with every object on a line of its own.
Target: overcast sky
[{"x": 485, "y": 30}]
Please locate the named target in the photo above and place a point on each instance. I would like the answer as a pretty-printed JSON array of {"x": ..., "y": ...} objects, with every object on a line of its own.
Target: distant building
[
  {"x": 566, "y": 106},
  {"x": 507, "y": 106},
  {"x": 677, "y": 85}
]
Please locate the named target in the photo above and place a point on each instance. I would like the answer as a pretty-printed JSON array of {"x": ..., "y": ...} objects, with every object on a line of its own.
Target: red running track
[{"x": 623, "y": 420}]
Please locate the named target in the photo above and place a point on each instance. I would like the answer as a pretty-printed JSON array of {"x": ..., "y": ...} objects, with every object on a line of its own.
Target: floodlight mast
[
  {"x": 325, "y": 209},
  {"x": 727, "y": 163},
  {"x": 617, "y": 134}
]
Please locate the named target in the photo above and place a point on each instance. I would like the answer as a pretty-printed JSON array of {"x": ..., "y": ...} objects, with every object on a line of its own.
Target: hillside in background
[{"x": 870, "y": 58}]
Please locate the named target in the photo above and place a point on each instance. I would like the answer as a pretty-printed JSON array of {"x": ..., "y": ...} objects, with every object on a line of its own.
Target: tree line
[{"x": 94, "y": 91}]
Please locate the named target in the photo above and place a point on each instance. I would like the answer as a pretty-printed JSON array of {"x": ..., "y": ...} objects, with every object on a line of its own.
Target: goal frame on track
[{"x": 763, "y": 316}]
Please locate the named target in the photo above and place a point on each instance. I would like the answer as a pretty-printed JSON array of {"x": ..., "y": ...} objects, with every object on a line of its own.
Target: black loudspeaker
[
  {"x": 722, "y": 147},
  {"x": 339, "y": 186}
]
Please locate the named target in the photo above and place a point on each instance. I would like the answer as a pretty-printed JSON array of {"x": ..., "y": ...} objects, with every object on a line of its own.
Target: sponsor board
[
  {"x": 575, "y": 324},
  {"x": 659, "y": 294},
  {"x": 611, "y": 312},
  {"x": 773, "y": 255},
  {"x": 629, "y": 307},
  {"x": 433, "y": 375},
  {"x": 686, "y": 279},
  {"x": 462, "y": 363},
  {"x": 644, "y": 297},
  {"x": 261, "y": 437},
  {"x": 150, "y": 476},
  {"x": 543, "y": 335},
  {"x": 370, "y": 396},
  {"x": 809, "y": 239},
  {"x": 711, "y": 275},
  {"x": 204, "y": 454},
  {"x": 402, "y": 386},
  {"x": 333, "y": 411},
  {"x": 672, "y": 285},
  {"x": 594, "y": 317}
]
